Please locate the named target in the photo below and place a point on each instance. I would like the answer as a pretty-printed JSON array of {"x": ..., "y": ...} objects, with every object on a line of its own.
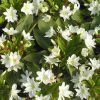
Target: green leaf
[
  {"x": 91, "y": 98},
  {"x": 76, "y": 98},
  {"x": 33, "y": 67},
  {"x": 95, "y": 22},
  {"x": 2, "y": 19},
  {"x": 71, "y": 70},
  {"x": 17, "y": 4},
  {"x": 12, "y": 2},
  {"x": 42, "y": 41},
  {"x": 47, "y": 89},
  {"x": 86, "y": 25},
  {"x": 24, "y": 23},
  {"x": 12, "y": 77},
  {"x": 5, "y": 4},
  {"x": 34, "y": 57},
  {"x": 98, "y": 81},
  {"x": 59, "y": 22},
  {"x": 5, "y": 1},
  {"x": 91, "y": 82},
  {"x": 2, "y": 78},
  {"x": 78, "y": 16},
  {"x": 20, "y": 1},
  {"x": 98, "y": 40},
  {"x": 4, "y": 92},
  {"x": 74, "y": 46},
  {"x": 97, "y": 90},
  {"x": 89, "y": 1},
  {"x": 63, "y": 63},
  {"x": 45, "y": 26},
  {"x": 33, "y": 60},
  {"x": 62, "y": 44},
  {"x": 59, "y": 2}
]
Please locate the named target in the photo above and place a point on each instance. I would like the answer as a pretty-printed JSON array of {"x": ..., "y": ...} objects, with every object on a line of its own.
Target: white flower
[
  {"x": 2, "y": 40},
  {"x": 10, "y": 31},
  {"x": 31, "y": 87},
  {"x": 52, "y": 60},
  {"x": 97, "y": 29},
  {"x": 27, "y": 8},
  {"x": 25, "y": 76},
  {"x": 37, "y": 6},
  {"x": 11, "y": 61},
  {"x": 94, "y": 7},
  {"x": 41, "y": 97},
  {"x": 66, "y": 34},
  {"x": 64, "y": 92},
  {"x": 46, "y": 18},
  {"x": 76, "y": 80},
  {"x": 50, "y": 32},
  {"x": 90, "y": 42},
  {"x": 73, "y": 61},
  {"x": 10, "y": 14},
  {"x": 55, "y": 51},
  {"x": 27, "y": 36},
  {"x": 46, "y": 76},
  {"x": 82, "y": 33},
  {"x": 84, "y": 52},
  {"x": 43, "y": 8},
  {"x": 91, "y": 32},
  {"x": 76, "y": 7},
  {"x": 14, "y": 58},
  {"x": 5, "y": 59},
  {"x": 82, "y": 68},
  {"x": 73, "y": 1},
  {"x": 85, "y": 73},
  {"x": 65, "y": 13},
  {"x": 95, "y": 64},
  {"x": 82, "y": 92},
  {"x": 14, "y": 93},
  {"x": 73, "y": 29}
]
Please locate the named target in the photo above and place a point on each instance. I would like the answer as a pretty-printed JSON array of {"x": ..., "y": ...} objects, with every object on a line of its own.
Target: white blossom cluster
[
  {"x": 13, "y": 60},
  {"x": 32, "y": 85},
  {"x": 66, "y": 12}
]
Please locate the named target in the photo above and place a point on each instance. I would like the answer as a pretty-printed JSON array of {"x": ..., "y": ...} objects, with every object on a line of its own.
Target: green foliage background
[{"x": 33, "y": 56}]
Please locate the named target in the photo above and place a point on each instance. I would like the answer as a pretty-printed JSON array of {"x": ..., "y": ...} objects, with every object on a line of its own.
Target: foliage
[{"x": 39, "y": 42}]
